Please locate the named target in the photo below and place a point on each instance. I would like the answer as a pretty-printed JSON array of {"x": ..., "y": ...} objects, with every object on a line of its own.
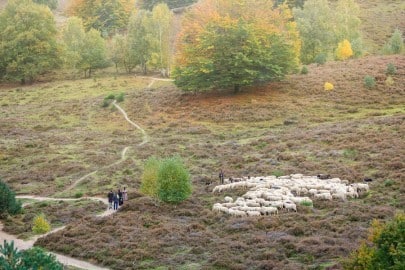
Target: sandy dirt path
[{"x": 26, "y": 244}]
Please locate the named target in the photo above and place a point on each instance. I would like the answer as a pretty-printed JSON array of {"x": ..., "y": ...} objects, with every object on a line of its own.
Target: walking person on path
[
  {"x": 116, "y": 201},
  {"x": 125, "y": 194},
  {"x": 110, "y": 199},
  {"x": 120, "y": 198},
  {"x": 221, "y": 177}
]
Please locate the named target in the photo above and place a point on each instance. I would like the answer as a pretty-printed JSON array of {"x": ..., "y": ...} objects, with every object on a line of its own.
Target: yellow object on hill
[{"x": 328, "y": 86}]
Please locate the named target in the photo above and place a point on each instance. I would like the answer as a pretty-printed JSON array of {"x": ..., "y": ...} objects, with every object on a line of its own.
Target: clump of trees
[
  {"x": 33, "y": 258},
  {"x": 322, "y": 27},
  {"x": 28, "y": 44},
  {"x": 395, "y": 45},
  {"x": 166, "y": 179},
  {"x": 230, "y": 44},
  {"x": 384, "y": 247},
  {"x": 8, "y": 202},
  {"x": 150, "y": 4}
]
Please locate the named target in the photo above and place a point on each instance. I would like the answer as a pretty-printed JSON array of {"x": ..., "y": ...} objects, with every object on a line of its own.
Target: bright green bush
[
  {"x": 384, "y": 248},
  {"x": 391, "y": 69},
  {"x": 8, "y": 203},
  {"x": 40, "y": 225},
  {"x": 149, "y": 177},
  {"x": 369, "y": 81},
  {"x": 173, "y": 181},
  {"x": 34, "y": 258}
]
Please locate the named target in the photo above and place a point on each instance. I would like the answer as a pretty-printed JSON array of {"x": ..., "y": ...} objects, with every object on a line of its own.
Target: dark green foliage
[
  {"x": 8, "y": 203},
  {"x": 369, "y": 81},
  {"x": 28, "y": 46},
  {"x": 149, "y": 4},
  {"x": 120, "y": 97},
  {"x": 173, "y": 181},
  {"x": 385, "y": 249},
  {"x": 110, "y": 96},
  {"x": 320, "y": 58},
  {"x": 52, "y": 4},
  {"x": 31, "y": 259},
  {"x": 290, "y": 3},
  {"x": 391, "y": 69},
  {"x": 395, "y": 44},
  {"x": 304, "y": 70}
]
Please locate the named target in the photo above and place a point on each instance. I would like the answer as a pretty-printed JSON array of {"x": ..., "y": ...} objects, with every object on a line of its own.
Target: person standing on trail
[
  {"x": 120, "y": 198},
  {"x": 125, "y": 194},
  {"x": 116, "y": 201},
  {"x": 110, "y": 199},
  {"x": 221, "y": 177}
]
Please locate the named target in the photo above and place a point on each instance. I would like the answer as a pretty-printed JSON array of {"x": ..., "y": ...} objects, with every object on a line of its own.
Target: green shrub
[
  {"x": 106, "y": 103},
  {"x": 304, "y": 70},
  {"x": 384, "y": 248},
  {"x": 306, "y": 203},
  {"x": 78, "y": 194},
  {"x": 277, "y": 173},
  {"x": 320, "y": 59},
  {"x": 40, "y": 225},
  {"x": 149, "y": 177},
  {"x": 110, "y": 96},
  {"x": 120, "y": 97},
  {"x": 173, "y": 181},
  {"x": 33, "y": 258},
  {"x": 395, "y": 44},
  {"x": 8, "y": 202},
  {"x": 388, "y": 183},
  {"x": 369, "y": 82},
  {"x": 391, "y": 69}
]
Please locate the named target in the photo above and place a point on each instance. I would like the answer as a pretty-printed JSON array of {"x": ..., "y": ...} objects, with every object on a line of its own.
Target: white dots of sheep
[{"x": 268, "y": 195}]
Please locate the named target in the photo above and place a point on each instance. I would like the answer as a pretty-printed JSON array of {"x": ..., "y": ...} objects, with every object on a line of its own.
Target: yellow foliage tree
[
  {"x": 41, "y": 225},
  {"x": 344, "y": 50},
  {"x": 328, "y": 86}
]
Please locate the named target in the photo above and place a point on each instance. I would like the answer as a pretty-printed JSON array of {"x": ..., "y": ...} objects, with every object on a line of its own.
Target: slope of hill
[{"x": 56, "y": 132}]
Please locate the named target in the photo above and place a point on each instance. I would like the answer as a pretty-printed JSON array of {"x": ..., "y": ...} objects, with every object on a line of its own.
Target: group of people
[{"x": 116, "y": 199}]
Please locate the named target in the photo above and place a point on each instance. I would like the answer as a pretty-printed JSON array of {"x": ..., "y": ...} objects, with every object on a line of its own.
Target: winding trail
[{"x": 26, "y": 244}]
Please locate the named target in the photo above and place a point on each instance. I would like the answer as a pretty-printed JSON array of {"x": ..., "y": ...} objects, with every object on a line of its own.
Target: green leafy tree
[
  {"x": 384, "y": 248},
  {"x": 28, "y": 45},
  {"x": 395, "y": 44},
  {"x": 139, "y": 44},
  {"x": 73, "y": 38},
  {"x": 235, "y": 45},
  {"x": 173, "y": 182},
  {"x": 31, "y": 259},
  {"x": 118, "y": 51},
  {"x": 8, "y": 202},
  {"x": 316, "y": 26},
  {"x": 93, "y": 53},
  {"x": 149, "y": 177},
  {"x": 150, "y": 4},
  {"x": 160, "y": 33}
]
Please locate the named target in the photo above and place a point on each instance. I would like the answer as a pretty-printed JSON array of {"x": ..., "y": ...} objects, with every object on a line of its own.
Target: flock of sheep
[{"x": 267, "y": 195}]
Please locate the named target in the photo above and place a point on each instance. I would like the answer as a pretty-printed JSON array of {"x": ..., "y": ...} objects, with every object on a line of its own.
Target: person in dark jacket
[
  {"x": 221, "y": 177},
  {"x": 116, "y": 201},
  {"x": 110, "y": 199},
  {"x": 120, "y": 198}
]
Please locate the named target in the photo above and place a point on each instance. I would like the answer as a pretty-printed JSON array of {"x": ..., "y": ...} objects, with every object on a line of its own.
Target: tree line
[{"x": 221, "y": 44}]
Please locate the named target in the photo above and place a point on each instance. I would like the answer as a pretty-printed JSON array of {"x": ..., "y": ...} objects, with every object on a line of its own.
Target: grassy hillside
[{"x": 54, "y": 133}]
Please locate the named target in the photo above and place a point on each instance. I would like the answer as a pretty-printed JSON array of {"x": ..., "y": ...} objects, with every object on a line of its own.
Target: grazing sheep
[
  {"x": 323, "y": 196},
  {"x": 290, "y": 206},
  {"x": 253, "y": 213},
  {"x": 228, "y": 199},
  {"x": 269, "y": 210}
]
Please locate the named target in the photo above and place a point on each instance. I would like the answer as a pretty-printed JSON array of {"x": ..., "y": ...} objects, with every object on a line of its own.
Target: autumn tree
[
  {"x": 107, "y": 16},
  {"x": 344, "y": 50},
  {"x": 160, "y": 26},
  {"x": 118, "y": 51},
  {"x": 231, "y": 44},
  {"x": 28, "y": 44}
]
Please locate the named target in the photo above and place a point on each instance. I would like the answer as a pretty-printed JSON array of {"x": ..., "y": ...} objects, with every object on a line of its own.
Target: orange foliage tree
[{"x": 232, "y": 43}]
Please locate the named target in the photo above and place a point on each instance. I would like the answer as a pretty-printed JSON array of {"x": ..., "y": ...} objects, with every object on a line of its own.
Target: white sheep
[
  {"x": 253, "y": 213},
  {"x": 228, "y": 199},
  {"x": 324, "y": 196},
  {"x": 269, "y": 210},
  {"x": 290, "y": 206}
]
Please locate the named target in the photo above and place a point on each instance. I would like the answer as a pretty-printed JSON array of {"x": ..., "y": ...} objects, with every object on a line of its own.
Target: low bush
[
  {"x": 388, "y": 183},
  {"x": 389, "y": 81},
  {"x": 120, "y": 97},
  {"x": 277, "y": 173},
  {"x": 304, "y": 70},
  {"x": 8, "y": 202},
  {"x": 40, "y": 225},
  {"x": 307, "y": 203},
  {"x": 320, "y": 59},
  {"x": 395, "y": 44},
  {"x": 78, "y": 194},
  {"x": 384, "y": 247},
  {"x": 110, "y": 96},
  {"x": 391, "y": 69},
  {"x": 328, "y": 86},
  {"x": 149, "y": 177},
  {"x": 369, "y": 81}
]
